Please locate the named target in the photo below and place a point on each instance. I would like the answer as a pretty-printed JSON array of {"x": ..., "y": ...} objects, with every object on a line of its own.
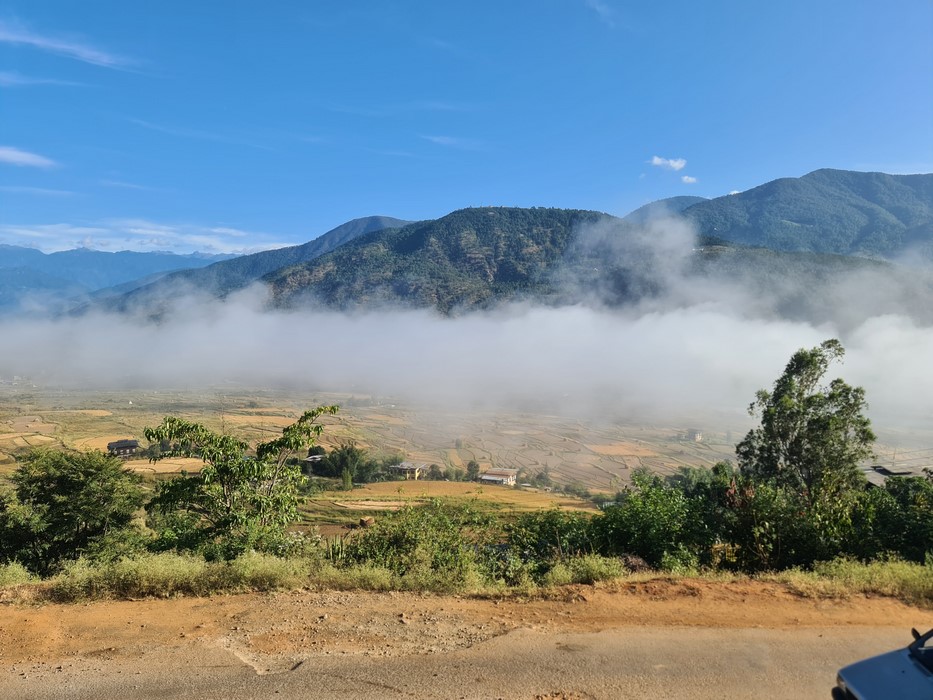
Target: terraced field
[{"x": 596, "y": 455}]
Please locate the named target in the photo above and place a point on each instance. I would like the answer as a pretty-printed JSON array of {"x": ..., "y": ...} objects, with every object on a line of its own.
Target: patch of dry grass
[{"x": 840, "y": 578}]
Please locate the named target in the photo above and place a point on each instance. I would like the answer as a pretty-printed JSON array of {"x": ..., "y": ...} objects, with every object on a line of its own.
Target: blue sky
[{"x": 231, "y": 126}]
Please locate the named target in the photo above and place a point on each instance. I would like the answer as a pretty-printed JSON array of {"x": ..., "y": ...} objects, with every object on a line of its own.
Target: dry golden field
[{"x": 599, "y": 455}]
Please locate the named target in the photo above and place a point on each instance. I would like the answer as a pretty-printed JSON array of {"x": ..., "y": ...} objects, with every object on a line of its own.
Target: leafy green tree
[
  {"x": 472, "y": 470},
  {"x": 812, "y": 436},
  {"x": 451, "y": 473},
  {"x": 905, "y": 525},
  {"x": 238, "y": 501},
  {"x": 65, "y": 505}
]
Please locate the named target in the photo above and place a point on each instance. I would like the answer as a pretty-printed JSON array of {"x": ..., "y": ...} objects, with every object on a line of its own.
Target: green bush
[
  {"x": 65, "y": 505},
  {"x": 649, "y": 520},
  {"x": 586, "y": 569},
  {"x": 14, "y": 574},
  {"x": 431, "y": 547}
]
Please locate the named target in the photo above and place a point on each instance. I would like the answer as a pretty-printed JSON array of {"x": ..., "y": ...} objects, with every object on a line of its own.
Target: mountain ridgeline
[
  {"x": 798, "y": 248},
  {"x": 227, "y": 276},
  {"x": 795, "y": 248},
  {"x": 30, "y": 278},
  {"x": 472, "y": 258},
  {"x": 828, "y": 211}
]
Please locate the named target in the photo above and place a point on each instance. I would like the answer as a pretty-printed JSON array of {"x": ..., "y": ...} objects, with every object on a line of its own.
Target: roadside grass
[
  {"x": 168, "y": 575},
  {"x": 907, "y": 581}
]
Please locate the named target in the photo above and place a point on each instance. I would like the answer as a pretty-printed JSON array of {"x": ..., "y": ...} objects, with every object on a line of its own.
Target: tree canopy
[
  {"x": 65, "y": 505},
  {"x": 812, "y": 435},
  {"x": 238, "y": 501}
]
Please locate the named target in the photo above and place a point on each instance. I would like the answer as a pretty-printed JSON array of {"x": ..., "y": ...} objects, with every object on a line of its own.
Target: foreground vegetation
[{"x": 796, "y": 507}]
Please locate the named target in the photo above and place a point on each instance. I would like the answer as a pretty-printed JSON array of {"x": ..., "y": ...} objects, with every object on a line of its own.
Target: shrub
[
  {"x": 435, "y": 546},
  {"x": 14, "y": 574},
  {"x": 65, "y": 505},
  {"x": 649, "y": 520},
  {"x": 587, "y": 569}
]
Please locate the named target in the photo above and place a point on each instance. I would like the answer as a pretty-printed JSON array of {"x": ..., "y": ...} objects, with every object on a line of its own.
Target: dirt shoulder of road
[{"x": 276, "y": 629}]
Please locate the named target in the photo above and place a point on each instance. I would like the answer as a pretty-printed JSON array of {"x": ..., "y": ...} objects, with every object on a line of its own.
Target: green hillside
[
  {"x": 661, "y": 208},
  {"x": 222, "y": 278},
  {"x": 479, "y": 258},
  {"x": 827, "y": 211},
  {"x": 470, "y": 258}
]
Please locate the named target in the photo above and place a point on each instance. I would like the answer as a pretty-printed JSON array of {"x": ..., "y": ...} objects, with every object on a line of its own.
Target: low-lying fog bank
[{"x": 654, "y": 365}]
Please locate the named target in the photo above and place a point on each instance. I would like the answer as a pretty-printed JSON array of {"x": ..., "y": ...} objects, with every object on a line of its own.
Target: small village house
[
  {"x": 123, "y": 448},
  {"x": 410, "y": 470},
  {"x": 502, "y": 477}
]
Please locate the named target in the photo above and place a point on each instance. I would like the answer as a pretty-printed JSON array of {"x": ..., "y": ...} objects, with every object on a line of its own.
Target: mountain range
[
  {"x": 28, "y": 275},
  {"x": 791, "y": 245}
]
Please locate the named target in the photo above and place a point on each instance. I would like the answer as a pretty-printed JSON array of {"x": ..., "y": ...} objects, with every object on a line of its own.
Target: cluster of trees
[
  {"x": 353, "y": 465},
  {"x": 64, "y": 505},
  {"x": 796, "y": 497}
]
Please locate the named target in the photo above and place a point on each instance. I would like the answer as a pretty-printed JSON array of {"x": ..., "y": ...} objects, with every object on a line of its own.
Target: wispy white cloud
[
  {"x": 185, "y": 132},
  {"x": 454, "y": 142},
  {"x": 16, "y": 156},
  {"x": 39, "y": 191},
  {"x": 49, "y": 238},
  {"x": 140, "y": 235},
  {"x": 16, "y": 34},
  {"x": 127, "y": 185},
  {"x": 143, "y": 234},
  {"x": 441, "y": 44},
  {"x": 392, "y": 153},
  {"x": 735, "y": 192},
  {"x": 14, "y": 79},
  {"x": 605, "y": 13},
  {"x": 668, "y": 163},
  {"x": 401, "y": 108},
  {"x": 687, "y": 180}
]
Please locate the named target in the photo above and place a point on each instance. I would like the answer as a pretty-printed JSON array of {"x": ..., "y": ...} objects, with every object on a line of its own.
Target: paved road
[{"x": 624, "y": 662}]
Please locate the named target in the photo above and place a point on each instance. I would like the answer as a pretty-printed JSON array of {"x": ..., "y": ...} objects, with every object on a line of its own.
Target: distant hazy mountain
[
  {"x": 24, "y": 287},
  {"x": 827, "y": 211},
  {"x": 32, "y": 279},
  {"x": 95, "y": 269},
  {"x": 227, "y": 276}
]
